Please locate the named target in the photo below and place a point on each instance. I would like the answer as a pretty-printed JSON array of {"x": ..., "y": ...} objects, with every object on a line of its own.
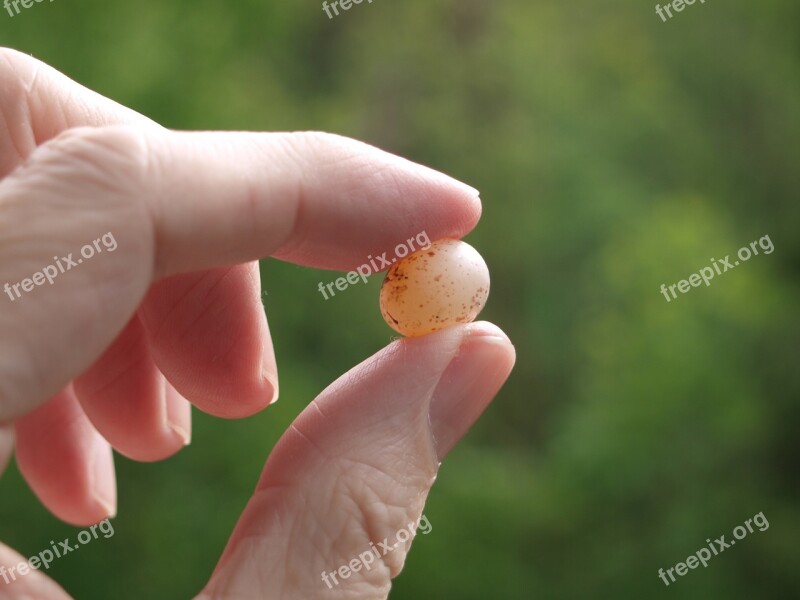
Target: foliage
[{"x": 614, "y": 153}]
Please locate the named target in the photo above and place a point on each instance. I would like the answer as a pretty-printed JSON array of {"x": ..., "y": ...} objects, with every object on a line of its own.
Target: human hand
[{"x": 114, "y": 351}]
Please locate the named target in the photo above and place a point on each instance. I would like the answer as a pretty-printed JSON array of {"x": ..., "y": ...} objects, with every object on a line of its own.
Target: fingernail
[
  {"x": 272, "y": 381},
  {"x": 181, "y": 432},
  {"x": 473, "y": 191},
  {"x": 104, "y": 481},
  {"x": 179, "y": 414},
  {"x": 6, "y": 445},
  {"x": 481, "y": 366},
  {"x": 109, "y": 509},
  {"x": 453, "y": 182}
]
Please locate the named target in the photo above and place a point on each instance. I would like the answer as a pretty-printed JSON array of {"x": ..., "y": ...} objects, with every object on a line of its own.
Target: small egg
[{"x": 434, "y": 288}]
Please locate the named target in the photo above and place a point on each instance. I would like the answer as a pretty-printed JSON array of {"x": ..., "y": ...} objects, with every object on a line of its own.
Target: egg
[{"x": 436, "y": 287}]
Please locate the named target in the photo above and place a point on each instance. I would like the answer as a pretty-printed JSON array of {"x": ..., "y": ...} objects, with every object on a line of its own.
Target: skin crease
[{"x": 173, "y": 318}]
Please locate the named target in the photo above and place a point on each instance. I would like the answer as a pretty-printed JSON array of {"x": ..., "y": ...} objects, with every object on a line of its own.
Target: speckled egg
[{"x": 434, "y": 288}]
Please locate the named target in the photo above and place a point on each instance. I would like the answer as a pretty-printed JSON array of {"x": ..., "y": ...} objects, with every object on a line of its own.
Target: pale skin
[{"x": 116, "y": 351}]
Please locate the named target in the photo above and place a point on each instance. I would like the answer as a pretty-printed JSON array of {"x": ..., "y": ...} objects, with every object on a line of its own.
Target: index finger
[
  {"x": 314, "y": 199},
  {"x": 199, "y": 200}
]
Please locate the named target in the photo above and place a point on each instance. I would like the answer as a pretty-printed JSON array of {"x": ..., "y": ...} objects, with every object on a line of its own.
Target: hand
[{"x": 109, "y": 347}]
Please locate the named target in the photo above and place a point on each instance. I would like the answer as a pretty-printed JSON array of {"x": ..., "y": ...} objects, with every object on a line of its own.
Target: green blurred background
[{"x": 614, "y": 153}]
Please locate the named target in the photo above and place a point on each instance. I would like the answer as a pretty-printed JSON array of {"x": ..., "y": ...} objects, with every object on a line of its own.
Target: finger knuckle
[
  {"x": 323, "y": 146},
  {"x": 91, "y": 171},
  {"x": 111, "y": 156}
]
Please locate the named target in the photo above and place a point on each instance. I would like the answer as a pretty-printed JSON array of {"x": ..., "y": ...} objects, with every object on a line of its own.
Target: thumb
[{"x": 355, "y": 469}]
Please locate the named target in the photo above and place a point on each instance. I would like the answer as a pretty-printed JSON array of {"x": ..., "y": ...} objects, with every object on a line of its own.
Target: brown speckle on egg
[{"x": 435, "y": 288}]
